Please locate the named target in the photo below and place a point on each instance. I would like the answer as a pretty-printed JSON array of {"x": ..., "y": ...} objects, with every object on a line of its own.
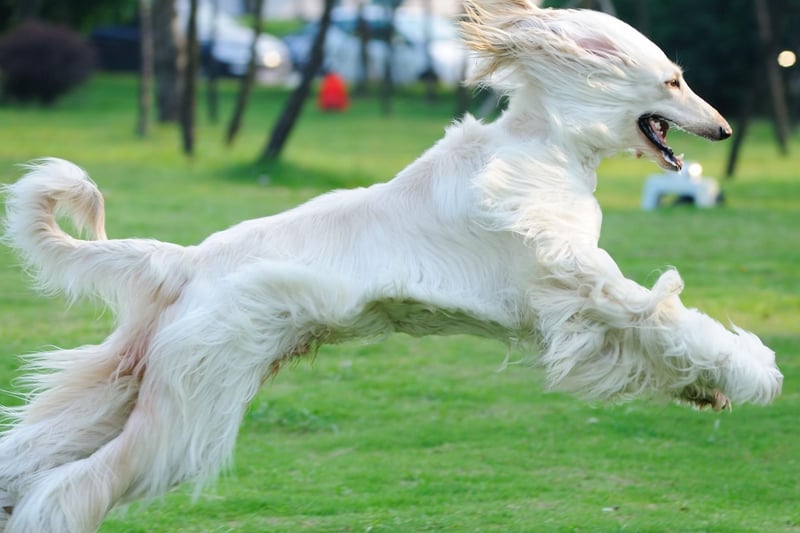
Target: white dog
[{"x": 493, "y": 232}]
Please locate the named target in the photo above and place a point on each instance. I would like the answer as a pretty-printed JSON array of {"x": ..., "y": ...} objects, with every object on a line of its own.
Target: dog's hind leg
[
  {"x": 202, "y": 368},
  {"x": 77, "y": 405},
  {"x": 175, "y": 432},
  {"x": 200, "y": 373}
]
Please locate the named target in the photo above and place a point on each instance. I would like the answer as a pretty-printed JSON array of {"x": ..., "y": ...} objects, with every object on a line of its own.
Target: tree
[
  {"x": 769, "y": 73},
  {"x": 463, "y": 93},
  {"x": 429, "y": 76},
  {"x": 388, "y": 79},
  {"x": 363, "y": 32},
  {"x": 294, "y": 105},
  {"x": 212, "y": 90},
  {"x": 188, "y": 99},
  {"x": 769, "y": 51},
  {"x": 246, "y": 85},
  {"x": 168, "y": 59},
  {"x": 146, "y": 66}
]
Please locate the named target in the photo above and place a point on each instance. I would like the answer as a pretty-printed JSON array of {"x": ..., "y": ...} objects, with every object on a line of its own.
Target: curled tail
[{"x": 114, "y": 270}]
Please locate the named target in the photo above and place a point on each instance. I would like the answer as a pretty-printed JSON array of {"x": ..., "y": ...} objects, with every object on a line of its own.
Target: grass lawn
[{"x": 425, "y": 434}]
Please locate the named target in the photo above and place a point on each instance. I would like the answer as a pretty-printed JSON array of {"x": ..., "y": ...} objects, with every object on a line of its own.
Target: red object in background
[{"x": 333, "y": 93}]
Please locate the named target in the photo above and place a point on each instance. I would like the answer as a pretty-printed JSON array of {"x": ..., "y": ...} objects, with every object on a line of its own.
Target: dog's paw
[
  {"x": 668, "y": 284},
  {"x": 703, "y": 399},
  {"x": 721, "y": 402}
]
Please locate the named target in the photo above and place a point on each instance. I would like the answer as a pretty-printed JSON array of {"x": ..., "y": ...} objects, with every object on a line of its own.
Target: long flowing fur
[{"x": 493, "y": 232}]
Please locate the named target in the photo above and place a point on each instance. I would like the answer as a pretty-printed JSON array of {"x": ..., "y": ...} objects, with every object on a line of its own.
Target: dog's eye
[{"x": 674, "y": 83}]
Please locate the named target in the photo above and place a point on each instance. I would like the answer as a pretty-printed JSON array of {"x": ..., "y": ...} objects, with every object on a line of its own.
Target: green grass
[{"x": 424, "y": 434}]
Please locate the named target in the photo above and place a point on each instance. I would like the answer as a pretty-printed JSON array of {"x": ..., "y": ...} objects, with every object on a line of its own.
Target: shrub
[{"x": 41, "y": 62}]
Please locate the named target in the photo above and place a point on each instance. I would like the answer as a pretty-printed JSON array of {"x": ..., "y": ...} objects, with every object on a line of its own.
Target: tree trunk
[
  {"x": 742, "y": 124},
  {"x": 388, "y": 79},
  {"x": 146, "y": 67},
  {"x": 362, "y": 30},
  {"x": 431, "y": 78},
  {"x": 212, "y": 89},
  {"x": 168, "y": 59},
  {"x": 463, "y": 93},
  {"x": 294, "y": 105},
  {"x": 780, "y": 111},
  {"x": 189, "y": 94},
  {"x": 246, "y": 85},
  {"x": 774, "y": 83}
]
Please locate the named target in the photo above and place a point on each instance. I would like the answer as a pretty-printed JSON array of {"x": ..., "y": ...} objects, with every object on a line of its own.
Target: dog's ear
[
  {"x": 507, "y": 33},
  {"x": 577, "y": 37},
  {"x": 489, "y": 26},
  {"x": 490, "y": 29}
]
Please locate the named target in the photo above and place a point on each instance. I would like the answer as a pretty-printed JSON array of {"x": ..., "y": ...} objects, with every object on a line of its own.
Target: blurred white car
[
  {"x": 225, "y": 46},
  {"x": 445, "y": 58}
]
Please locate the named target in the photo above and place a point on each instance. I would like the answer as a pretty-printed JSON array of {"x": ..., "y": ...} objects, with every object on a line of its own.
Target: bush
[{"x": 41, "y": 62}]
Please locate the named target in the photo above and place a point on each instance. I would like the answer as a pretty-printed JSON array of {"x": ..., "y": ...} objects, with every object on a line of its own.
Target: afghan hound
[{"x": 493, "y": 232}]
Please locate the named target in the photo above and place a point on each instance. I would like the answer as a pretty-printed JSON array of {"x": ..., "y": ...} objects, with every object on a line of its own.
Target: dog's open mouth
[{"x": 655, "y": 128}]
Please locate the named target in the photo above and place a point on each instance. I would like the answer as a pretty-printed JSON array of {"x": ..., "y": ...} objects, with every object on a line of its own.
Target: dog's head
[{"x": 600, "y": 77}]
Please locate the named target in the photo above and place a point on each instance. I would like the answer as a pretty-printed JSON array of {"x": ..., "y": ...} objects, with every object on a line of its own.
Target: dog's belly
[{"x": 418, "y": 318}]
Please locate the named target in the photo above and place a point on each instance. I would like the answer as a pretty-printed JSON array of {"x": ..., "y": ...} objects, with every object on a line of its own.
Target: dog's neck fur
[{"x": 530, "y": 118}]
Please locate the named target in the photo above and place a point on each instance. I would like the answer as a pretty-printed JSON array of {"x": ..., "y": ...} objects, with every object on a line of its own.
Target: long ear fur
[
  {"x": 488, "y": 30},
  {"x": 508, "y": 33}
]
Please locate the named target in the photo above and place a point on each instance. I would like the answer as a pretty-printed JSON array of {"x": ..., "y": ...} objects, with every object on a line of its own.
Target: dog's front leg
[{"x": 606, "y": 337}]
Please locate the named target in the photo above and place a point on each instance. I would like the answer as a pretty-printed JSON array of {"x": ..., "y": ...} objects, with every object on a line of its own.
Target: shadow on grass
[{"x": 295, "y": 175}]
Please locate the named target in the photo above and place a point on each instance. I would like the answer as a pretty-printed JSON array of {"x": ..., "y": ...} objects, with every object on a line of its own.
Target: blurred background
[{"x": 741, "y": 55}]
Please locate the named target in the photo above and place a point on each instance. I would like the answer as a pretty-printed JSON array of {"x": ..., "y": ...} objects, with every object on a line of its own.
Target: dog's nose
[{"x": 725, "y": 132}]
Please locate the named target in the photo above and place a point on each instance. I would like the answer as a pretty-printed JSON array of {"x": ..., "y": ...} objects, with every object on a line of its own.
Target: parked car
[
  {"x": 224, "y": 47},
  {"x": 445, "y": 58},
  {"x": 225, "y": 44}
]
